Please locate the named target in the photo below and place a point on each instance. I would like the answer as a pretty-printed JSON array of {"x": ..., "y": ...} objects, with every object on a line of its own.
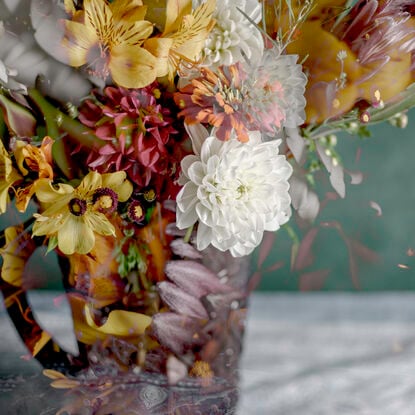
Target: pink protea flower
[
  {"x": 140, "y": 135},
  {"x": 375, "y": 28}
]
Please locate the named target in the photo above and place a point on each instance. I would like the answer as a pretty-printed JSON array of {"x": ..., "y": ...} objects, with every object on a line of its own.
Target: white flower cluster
[
  {"x": 234, "y": 191},
  {"x": 234, "y": 38}
]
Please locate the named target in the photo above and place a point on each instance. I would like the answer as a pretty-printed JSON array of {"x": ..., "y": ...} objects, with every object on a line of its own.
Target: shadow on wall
[{"x": 383, "y": 242}]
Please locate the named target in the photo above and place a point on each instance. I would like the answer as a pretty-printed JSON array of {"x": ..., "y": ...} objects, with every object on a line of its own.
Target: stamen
[
  {"x": 105, "y": 200},
  {"x": 136, "y": 212},
  {"x": 77, "y": 206}
]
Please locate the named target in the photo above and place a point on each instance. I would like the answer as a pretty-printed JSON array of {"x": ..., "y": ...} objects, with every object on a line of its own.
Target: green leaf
[{"x": 52, "y": 243}]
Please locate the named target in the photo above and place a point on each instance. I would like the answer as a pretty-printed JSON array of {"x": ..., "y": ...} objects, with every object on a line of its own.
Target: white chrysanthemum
[
  {"x": 275, "y": 92},
  {"x": 233, "y": 35},
  {"x": 234, "y": 191}
]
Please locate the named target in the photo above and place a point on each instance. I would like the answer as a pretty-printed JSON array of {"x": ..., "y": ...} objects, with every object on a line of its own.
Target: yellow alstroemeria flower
[
  {"x": 73, "y": 216},
  {"x": 8, "y": 176},
  {"x": 184, "y": 31},
  {"x": 188, "y": 30},
  {"x": 108, "y": 37},
  {"x": 37, "y": 159}
]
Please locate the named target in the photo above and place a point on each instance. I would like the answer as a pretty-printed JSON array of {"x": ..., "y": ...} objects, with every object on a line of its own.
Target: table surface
[{"x": 304, "y": 354}]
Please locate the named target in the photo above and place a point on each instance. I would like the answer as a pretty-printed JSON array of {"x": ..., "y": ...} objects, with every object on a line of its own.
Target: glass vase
[{"x": 165, "y": 338}]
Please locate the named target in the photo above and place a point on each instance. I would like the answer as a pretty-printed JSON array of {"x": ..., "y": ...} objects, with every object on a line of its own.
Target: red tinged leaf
[
  {"x": 266, "y": 247},
  {"x": 312, "y": 281},
  {"x": 305, "y": 256}
]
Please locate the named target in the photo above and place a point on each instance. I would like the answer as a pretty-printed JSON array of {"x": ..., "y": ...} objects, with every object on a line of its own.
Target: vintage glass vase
[{"x": 163, "y": 337}]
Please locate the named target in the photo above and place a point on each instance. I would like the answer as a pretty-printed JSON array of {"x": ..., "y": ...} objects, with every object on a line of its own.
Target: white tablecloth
[{"x": 305, "y": 354}]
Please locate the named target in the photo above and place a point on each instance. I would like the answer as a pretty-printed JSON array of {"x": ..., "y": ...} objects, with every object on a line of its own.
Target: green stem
[
  {"x": 188, "y": 234},
  {"x": 74, "y": 128},
  {"x": 57, "y": 122},
  {"x": 404, "y": 102}
]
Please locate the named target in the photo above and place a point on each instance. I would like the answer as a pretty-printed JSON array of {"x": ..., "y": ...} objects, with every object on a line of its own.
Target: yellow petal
[
  {"x": 190, "y": 38},
  {"x": 160, "y": 48},
  {"x": 47, "y": 193},
  {"x": 90, "y": 183},
  {"x": 15, "y": 253},
  {"x": 75, "y": 236},
  {"x": 175, "y": 11},
  {"x": 43, "y": 340},
  {"x": 48, "y": 225},
  {"x": 20, "y": 156},
  {"x": 133, "y": 34},
  {"x": 132, "y": 66},
  {"x": 8, "y": 175},
  {"x": 79, "y": 40},
  {"x": 326, "y": 8},
  {"x": 324, "y": 69},
  {"x": 119, "y": 183},
  {"x": 5, "y": 184},
  {"x": 23, "y": 196},
  {"x": 53, "y": 374},
  {"x": 128, "y": 10},
  {"x": 385, "y": 83},
  {"x": 120, "y": 323},
  {"x": 98, "y": 15},
  {"x": 98, "y": 223}
]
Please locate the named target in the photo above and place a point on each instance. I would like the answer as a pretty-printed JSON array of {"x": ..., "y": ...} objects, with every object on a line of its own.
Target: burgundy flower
[{"x": 140, "y": 135}]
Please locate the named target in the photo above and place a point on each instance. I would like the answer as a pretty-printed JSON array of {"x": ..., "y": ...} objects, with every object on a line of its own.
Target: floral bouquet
[{"x": 148, "y": 145}]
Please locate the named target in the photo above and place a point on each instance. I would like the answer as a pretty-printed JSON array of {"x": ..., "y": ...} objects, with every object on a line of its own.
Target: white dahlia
[
  {"x": 233, "y": 36},
  {"x": 234, "y": 191}
]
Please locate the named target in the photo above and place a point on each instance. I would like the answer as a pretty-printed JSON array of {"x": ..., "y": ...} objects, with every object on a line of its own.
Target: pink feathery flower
[{"x": 375, "y": 28}]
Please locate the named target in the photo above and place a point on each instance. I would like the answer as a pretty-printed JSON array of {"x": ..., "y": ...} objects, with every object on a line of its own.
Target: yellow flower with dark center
[
  {"x": 108, "y": 37},
  {"x": 8, "y": 176},
  {"x": 73, "y": 216}
]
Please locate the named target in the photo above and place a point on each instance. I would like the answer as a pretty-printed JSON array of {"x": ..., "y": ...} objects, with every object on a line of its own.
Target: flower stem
[
  {"x": 188, "y": 234},
  {"x": 57, "y": 122}
]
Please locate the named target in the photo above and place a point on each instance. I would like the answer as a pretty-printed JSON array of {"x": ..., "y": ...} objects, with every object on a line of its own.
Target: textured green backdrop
[{"x": 387, "y": 162}]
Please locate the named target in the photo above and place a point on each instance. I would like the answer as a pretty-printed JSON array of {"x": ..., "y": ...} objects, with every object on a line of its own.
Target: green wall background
[{"x": 387, "y": 160}]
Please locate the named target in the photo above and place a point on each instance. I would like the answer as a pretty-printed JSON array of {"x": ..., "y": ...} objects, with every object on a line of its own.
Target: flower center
[
  {"x": 136, "y": 212},
  {"x": 105, "y": 200},
  {"x": 77, "y": 206},
  {"x": 242, "y": 189},
  {"x": 149, "y": 195}
]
